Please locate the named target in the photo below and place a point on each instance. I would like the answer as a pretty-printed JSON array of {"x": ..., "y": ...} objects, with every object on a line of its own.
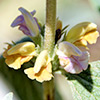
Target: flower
[
  {"x": 82, "y": 33},
  {"x": 27, "y": 24},
  {"x": 71, "y": 58},
  {"x": 17, "y": 55},
  {"x": 42, "y": 70}
]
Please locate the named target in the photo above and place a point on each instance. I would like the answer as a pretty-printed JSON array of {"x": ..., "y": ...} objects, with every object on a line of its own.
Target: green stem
[
  {"x": 48, "y": 87},
  {"x": 50, "y": 26},
  {"x": 49, "y": 41}
]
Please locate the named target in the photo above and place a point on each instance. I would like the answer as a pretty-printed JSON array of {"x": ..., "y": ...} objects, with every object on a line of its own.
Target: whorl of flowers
[{"x": 71, "y": 58}]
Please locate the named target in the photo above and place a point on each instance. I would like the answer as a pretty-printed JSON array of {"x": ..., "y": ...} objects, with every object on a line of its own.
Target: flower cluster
[{"x": 71, "y": 58}]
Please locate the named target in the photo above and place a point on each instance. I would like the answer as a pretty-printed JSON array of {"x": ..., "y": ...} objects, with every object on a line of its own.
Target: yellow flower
[
  {"x": 42, "y": 70},
  {"x": 17, "y": 55},
  {"x": 82, "y": 33}
]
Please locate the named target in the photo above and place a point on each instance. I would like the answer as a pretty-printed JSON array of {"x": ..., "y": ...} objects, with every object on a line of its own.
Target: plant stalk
[
  {"x": 48, "y": 87},
  {"x": 49, "y": 41},
  {"x": 50, "y": 26}
]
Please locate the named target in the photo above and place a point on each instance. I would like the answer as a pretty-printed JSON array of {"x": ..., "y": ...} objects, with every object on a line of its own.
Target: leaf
[
  {"x": 86, "y": 85},
  {"x": 8, "y": 96}
]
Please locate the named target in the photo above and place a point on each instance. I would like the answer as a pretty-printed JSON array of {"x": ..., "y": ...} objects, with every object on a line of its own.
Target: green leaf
[{"x": 86, "y": 85}]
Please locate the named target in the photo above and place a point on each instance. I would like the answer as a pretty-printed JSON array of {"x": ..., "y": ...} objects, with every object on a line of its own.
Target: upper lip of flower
[
  {"x": 20, "y": 19},
  {"x": 24, "y": 49},
  {"x": 68, "y": 49},
  {"x": 40, "y": 63}
]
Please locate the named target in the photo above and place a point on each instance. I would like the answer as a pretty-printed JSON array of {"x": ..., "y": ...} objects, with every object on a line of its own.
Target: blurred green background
[{"x": 69, "y": 11}]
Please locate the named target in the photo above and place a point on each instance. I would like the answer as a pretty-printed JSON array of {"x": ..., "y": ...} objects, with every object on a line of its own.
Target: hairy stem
[
  {"x": 49, "y": 41},
  {"x": 50, "y": 26}
]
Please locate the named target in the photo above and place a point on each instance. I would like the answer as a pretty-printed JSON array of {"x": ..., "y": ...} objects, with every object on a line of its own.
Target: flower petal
[
  {"x": 20, "y": 20},
  {"x": 17, "y": 21},
  {"x": 43, "y": 75},
  {"x": 49, "y": 68},
  {"x": 25, "y": 30},
  {"x": 30, "y": 22},
  {"x": 80, "y": 30},
  {"x": 77, "y": 63},
  {"x": 30, "y": 73},
  {"x": 81, "y": 42},
  {"x": 24, "y": 49},
  {"x": 13, "y": 61},
  {"x": 91, "y": 37},
  {"x": 25, "y": 59},
  {"x": 68, "y": 49},
  {"x": 41, "y": 61}
]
